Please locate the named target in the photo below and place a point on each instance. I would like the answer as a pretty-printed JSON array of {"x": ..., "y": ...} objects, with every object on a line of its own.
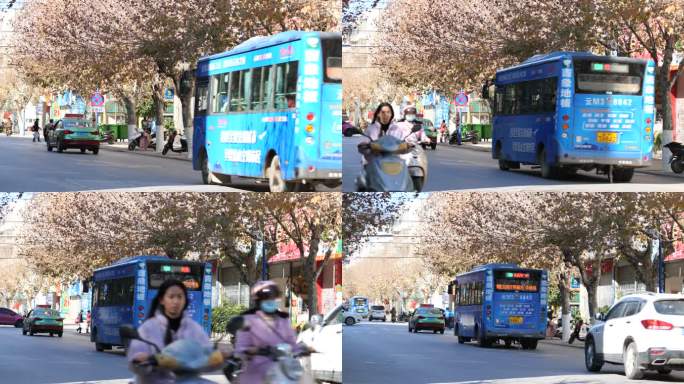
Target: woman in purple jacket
[
  {"x": 265, "y": 326},
  {"x": 166, "y": 323}
]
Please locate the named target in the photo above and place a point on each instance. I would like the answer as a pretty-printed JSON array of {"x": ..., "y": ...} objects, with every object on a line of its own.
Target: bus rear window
[
  {"x": 332, "y": 59},
  {"x": 608, "y": 78},
  {"x": 516, "y": 281},
  {"x": 189, "y": 274}
]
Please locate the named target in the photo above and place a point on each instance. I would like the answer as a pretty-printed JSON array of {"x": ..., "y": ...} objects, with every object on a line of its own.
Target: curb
[
  {"x": 562, "y": 344},
  {"x": 638, "y": 170},
  {"x": 142, "y": 153}
]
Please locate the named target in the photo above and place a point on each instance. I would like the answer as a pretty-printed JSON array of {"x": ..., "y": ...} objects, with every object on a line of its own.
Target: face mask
[
  {"x": 410, "y": 117},
  {"x": 269, "y": 306}
]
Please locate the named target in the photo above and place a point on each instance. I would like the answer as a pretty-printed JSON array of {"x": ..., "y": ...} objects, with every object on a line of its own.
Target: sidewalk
[
  {"x": 654, "y": 169},
  {"x": 556, "y": 341},
  {"x": 123, "y": 147}
]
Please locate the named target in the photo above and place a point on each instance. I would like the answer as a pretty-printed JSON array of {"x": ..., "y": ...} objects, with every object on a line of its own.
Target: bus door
[
  {"x": 516, "y": 300},
  {"x": 200, "y": 120},
  {"x": 609, "y": 119},
  {"x": 330, "y": 127}
]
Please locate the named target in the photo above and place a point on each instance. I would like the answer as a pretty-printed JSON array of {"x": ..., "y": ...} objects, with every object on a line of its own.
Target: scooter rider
[
  {"x": 383, "y": 125},
  {"x": 265, "y": 326},
  {"x": 166, "y": 323},
  {"x": 408, "y": 121}
]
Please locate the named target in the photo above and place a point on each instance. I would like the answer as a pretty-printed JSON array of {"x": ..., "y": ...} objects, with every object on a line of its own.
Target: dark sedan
[{"x": 9, "y": 317}]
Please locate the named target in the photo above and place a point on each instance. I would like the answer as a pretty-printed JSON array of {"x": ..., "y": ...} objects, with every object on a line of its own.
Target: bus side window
[
  {"x": 219, "y": 86},
  {"x": 286, "y": 85},
  {"x": 261, "y": 88},
  {"x": 239, "y": 85},
  {"x": 202, "y": 98}
]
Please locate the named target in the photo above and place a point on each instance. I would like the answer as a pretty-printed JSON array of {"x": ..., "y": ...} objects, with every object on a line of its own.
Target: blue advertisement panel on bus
[
  {"x": 123, "y": 294},
  {"x": 501, "y": 301},
  {"x": 277, "y": 97},
  {"x": 568, "y": 111}
]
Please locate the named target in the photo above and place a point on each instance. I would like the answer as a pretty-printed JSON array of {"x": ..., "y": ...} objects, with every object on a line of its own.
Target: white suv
[
  {"x": 377, "y": 312},
  {"x": 643, "y": 332}
]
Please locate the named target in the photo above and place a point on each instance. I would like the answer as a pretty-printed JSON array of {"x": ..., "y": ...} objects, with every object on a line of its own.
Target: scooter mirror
[
  {"x": 236, "y": 324},
  {"x": 128, "y": 332}
]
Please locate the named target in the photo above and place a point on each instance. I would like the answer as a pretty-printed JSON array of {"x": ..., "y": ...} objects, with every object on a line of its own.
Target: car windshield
[
  {"x": 76, "y": 124},
  {"x": 45, "y": 313},
  {"x": 670, "y": 307},
  {"x": 428, "y": 311},
  {"x": 378, "y": 308}
]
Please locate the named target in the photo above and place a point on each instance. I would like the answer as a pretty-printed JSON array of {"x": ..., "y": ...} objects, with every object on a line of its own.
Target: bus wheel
[
  {"x": 503, "y": 165},
  {"x": 276, "y": 183},
  {"x": 547, "y": 171},
  {"x": 508, "y": 343},
  {"x": 623, "y": 175},
  {"x": 206, "y": 173}
]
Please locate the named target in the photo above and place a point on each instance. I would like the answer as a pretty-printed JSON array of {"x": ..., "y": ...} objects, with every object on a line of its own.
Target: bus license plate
[
  {"x": 607, "y": 137},
  {"x": 515, "y": 319}
]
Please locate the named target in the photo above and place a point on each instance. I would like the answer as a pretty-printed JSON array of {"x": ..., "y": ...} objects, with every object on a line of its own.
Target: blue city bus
[
  {"x": 123, "y": 293},
  {"x": 271, "y": 109},
  {"x": 501, "y": 302},
  {"x": 360, "y": 305},
  {"x": 570, "y": 111}
]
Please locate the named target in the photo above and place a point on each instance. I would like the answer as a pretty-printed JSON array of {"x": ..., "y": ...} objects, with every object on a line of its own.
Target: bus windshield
[
  {"x": 332, "y": 59},
  {"x": 608, "y": 78},
  {"x": 516, "y": 281},
  {"x": 190, "y": 275}
]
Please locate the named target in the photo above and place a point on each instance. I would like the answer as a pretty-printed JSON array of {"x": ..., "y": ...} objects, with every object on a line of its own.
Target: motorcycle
[
  {"x": 287, "y": 370},
  {"x": 170, "y": 142},
  {"x": 108, "y": 137},
  {"x": 386, "y": 171},
  {"x": 677, "y": 160},
  {"x": 135, "y": 142},
  {"x": 8, "y": 131},
  {"x": 185, "y": 359},
  {"x": 469, "y": 136}
]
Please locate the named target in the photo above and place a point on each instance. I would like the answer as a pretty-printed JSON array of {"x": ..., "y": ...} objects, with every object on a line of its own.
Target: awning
[{"x": 288, "y": 252}]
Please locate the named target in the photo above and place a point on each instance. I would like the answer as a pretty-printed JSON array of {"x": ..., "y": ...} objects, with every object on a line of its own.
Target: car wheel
[
  {"x": 96, "y": 150},
  {"x": 83, "y": 150},
  {"x": 434, "y": 331},
  {"x": 591, "y": 359},
  {"x": 664, "y": 371},
  {"x": 631, "y": 359},
  {"x": 349, "y": 321},
  {"x": 59, "y": 334},
  {"x": 18, "y": 324},
  {"x": 384, "y": 319},
  {"x": 51, "y": 334},
  {"x": 441, "y": 332}
]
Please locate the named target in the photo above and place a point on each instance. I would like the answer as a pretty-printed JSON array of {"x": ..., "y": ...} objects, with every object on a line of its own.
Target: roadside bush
[{"x": 221, "y": 316}]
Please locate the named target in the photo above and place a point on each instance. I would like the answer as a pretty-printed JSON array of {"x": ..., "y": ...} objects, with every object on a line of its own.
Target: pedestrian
[
  {"x": 443, "y": 132},
  {"x": 458, "y": 135},
  {"x": 88, "y": 322},
  {"x": 47, "y": 128},
  {"x": 35, "y": 129},
  {"x": 145, "y": 139},
  {"x": 79, "y": 320},
  {"x": 576, "y": 332},
  {"x": 393, "y": 314}
]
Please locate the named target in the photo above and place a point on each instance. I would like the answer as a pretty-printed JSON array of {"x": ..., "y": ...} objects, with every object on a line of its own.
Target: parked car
[
  {"x": 351, "y": 317},
  {"x": 377, "y": 312},
  {"x": 74, "y": 132},
  {"x": 43, "y": 320},
  {"x": 9, "y": 317},
  {"x": 643, "y": 332},
  {"x": 325, "y": 337},
  {"x": 426, "y": 318}
]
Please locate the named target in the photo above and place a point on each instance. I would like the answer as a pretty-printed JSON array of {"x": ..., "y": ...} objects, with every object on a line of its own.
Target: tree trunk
[
  {"x": 158, "y": 100},
  {"x": 131, "y": 115},
  {"x": 185, "y": 96},
  {"x": 564, "y": 286},
  {"x": 663, "y": 91}
]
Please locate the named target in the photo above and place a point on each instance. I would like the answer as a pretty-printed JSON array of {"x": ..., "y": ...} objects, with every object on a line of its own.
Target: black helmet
[
  {"x": 265, "y": 290},
  {"x": 410, "y": 110}
]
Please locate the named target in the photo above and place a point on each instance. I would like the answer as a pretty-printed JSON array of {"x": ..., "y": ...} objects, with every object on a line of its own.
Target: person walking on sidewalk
[
  {"x": 88, "y": 322},
  {"x": 443, "y": 132},
  {"x": 36, "y": 131},
  {"x": 79, "y": 320}
]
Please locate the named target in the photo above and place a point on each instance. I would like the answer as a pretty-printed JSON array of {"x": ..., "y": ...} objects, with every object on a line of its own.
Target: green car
[
  {"x": 43, "y": 320},
  {"x": 425, "y": 318},
  {"x": 73, "y": 132}
]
